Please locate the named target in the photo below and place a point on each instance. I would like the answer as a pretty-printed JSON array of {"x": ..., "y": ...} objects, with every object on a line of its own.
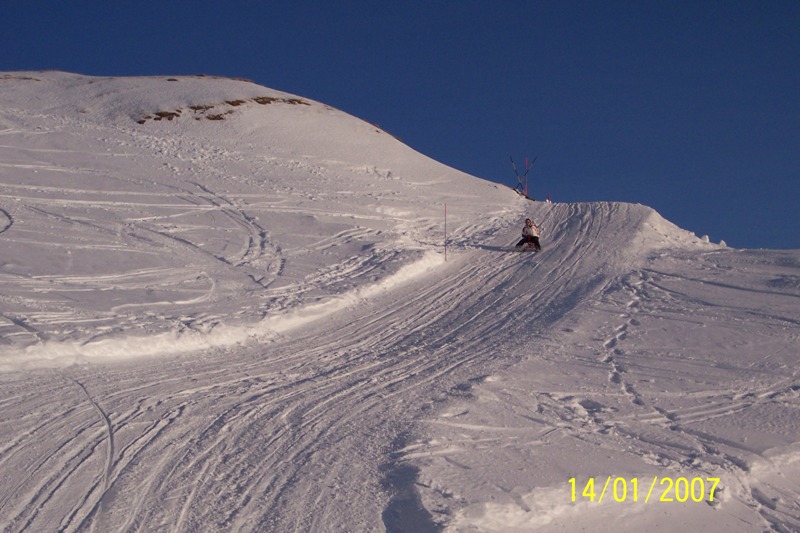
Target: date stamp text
[{"x": 662, "y": 489}]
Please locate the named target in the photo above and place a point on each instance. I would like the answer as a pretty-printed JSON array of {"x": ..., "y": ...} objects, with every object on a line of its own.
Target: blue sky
[{"x": 691, "y": 107}]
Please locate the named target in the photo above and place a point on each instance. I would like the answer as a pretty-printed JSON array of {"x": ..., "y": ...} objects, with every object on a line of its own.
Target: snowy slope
[
  {"x": 240, "y": 318},
  {"x": 124, "y": 229}
]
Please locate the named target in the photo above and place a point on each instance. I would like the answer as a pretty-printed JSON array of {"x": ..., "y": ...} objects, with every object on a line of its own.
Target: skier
[{"x": 530, "y": 235}]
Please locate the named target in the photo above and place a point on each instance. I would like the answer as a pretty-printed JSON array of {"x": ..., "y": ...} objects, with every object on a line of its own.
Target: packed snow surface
[{"x": 227, "y": 308}]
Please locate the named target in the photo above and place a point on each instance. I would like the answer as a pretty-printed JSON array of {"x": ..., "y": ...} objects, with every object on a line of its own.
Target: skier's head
[{"x": 528, "y": 222}]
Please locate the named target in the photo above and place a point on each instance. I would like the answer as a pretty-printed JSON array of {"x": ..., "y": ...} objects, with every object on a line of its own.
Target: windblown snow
[{"x": 228, "y": 308}]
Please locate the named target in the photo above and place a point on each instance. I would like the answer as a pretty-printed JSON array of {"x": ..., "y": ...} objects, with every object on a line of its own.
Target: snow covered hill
[
  {"x": 227, "y": 308},
  {"x": 243, "y": 204}
]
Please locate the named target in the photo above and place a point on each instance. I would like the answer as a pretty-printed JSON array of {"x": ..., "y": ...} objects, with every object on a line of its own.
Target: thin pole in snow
[{"x": 445, "y": 232}]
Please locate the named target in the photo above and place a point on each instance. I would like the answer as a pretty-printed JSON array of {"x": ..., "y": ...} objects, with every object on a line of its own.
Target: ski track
[
  {"x": 8, "y": 222},
  {"x": 345, "y": 386},
  {"x": 268, "y": 435},
  {"x": 682, "y": 433}
]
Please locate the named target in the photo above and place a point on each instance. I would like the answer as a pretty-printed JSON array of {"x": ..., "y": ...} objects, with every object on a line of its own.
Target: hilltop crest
[{"x": 137, "y": 98}]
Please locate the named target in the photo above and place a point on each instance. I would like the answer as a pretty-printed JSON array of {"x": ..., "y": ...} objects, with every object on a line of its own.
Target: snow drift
[{"x": 226, "y": 308}]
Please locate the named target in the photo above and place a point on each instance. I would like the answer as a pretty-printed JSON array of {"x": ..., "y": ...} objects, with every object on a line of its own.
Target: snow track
[
  {"x": 277, "y": 427},
  {"x": 699, "y": 383}
]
